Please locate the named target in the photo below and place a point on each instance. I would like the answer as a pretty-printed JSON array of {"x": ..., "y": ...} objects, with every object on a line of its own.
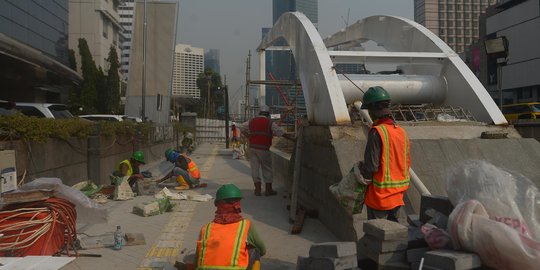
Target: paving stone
[
  {"x": 395, "y": 266},
  {"x": 332, "y": 250},
  {"x": 383, "y": 258},
  {"x": 416, "y": 254},
  {"x": 451, "y": 260},
  {"x": 343, "y": 263},
  {"x": 382, "y": 246},
  {"x": 383, "y": 229},
  {"x": 439, "y": 203}
]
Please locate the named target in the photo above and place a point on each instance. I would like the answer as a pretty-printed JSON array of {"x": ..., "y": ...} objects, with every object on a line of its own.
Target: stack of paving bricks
[
  {"x": 385, "y": 242},
  {"x": 330, "y": 256}
]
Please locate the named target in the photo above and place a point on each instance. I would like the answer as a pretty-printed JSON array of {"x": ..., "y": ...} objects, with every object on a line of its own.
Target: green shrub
[{"x": 35, "y": 129}]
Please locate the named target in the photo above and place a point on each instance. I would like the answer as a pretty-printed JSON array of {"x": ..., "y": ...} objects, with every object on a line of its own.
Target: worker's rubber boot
[
  {"x": 183, "y": 183},
  {"x": 268, "y": 191},
  {"x": 258, "y": 189}
]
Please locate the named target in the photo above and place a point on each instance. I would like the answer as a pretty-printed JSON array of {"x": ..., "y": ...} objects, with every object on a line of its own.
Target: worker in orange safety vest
[
  {"x": 387, "y": 158},
  {"x": 229, "y": 241},
  {"x": 185, "y": 171}
]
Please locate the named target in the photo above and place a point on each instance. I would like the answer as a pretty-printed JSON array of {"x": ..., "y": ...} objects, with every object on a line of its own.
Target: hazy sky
[{"x": 234, "y": 27}]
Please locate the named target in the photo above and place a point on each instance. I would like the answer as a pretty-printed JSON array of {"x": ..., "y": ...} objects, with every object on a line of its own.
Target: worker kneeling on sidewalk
[
  {"x": 229, "y": 241},
  {"x": 130, "y": 167},
  {"x": 185, "y": 171}
]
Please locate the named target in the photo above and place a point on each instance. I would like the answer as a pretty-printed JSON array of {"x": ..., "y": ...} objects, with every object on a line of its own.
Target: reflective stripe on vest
[
  {"x": 260, "y": 130},
  {"x": 223, "y": 246},
  {"x": 392, "y": 178},
  {"x": 130, "y": 169},
  {"x": 193, "y": 170}
]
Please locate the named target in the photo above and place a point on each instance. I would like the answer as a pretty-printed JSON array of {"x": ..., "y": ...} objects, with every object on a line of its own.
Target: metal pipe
[
  {"x": 404, "y": 89},
  {"x": 418, "y": 184}
]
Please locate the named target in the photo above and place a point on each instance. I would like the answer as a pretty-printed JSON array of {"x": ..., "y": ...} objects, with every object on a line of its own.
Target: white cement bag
[
  {"x": 502, "y": 208},
  {"x": 350, "y": 193}
]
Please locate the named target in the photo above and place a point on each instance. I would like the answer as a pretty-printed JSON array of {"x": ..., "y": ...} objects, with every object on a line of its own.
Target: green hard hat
[
  {"x": 228, "y": 191},
  {"x": 168, "y": 152},
  {"x": 373, "y": 95},
  {"x": 138, "y": 156}
]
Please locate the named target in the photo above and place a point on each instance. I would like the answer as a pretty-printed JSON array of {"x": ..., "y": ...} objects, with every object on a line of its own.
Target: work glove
[{"x": 359, "y": 178}]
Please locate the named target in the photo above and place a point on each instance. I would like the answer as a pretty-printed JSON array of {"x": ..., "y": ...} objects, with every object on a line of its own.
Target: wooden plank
[
  {"x": 299, "y": 221},
  {"x": 296, "y": 175},
  {"x": 26, "y": 196}
]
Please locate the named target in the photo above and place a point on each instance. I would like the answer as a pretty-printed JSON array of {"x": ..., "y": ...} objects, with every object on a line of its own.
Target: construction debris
[{"x": 152, "y": 208}]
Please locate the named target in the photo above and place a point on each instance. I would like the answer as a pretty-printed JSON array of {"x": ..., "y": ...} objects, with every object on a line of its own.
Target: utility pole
[
  {"x": 226, "y": 98},
  {"x": 248, "y": 63},
  {"x": 143, "y": 113},
  {"x": 209, "y": 77}
]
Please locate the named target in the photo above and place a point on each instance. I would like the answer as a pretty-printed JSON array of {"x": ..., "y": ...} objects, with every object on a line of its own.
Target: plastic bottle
[{"x": 118, "y": 238}]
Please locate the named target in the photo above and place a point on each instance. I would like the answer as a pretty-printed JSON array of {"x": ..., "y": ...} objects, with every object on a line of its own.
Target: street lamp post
[{"x": 209, "y": 77}]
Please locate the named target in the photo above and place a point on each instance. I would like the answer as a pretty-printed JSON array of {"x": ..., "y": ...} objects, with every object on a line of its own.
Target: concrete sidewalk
[{"x": 171, "y": 236}]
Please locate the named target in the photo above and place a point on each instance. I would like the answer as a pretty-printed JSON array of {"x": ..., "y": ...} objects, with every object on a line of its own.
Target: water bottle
[{"x": 118, "y": 238}]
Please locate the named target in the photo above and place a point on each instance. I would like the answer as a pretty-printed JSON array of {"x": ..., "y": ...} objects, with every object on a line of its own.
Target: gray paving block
[
  {"x": 382, "y": 246},
  {"x": 332, "y": 250},
  {"x": 439, "y": 203},
  {"x": 394, "y": 266},
  {"x": 383, "y": 229},
  {"x": 451, "y": 260},
  {"x": 343, "y": 263},
  {"x": 383, "y": 258},
  {"x": 416, "y": 254},
  {"x": 302, "y": 263}
]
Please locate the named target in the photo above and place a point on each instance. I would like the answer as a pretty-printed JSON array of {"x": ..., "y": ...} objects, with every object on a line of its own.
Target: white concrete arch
[
  {"x": 325, "y": 103},
  {"x": 431, "y": 71}
]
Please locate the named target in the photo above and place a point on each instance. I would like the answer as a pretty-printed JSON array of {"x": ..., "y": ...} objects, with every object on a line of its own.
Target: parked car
[
  {"x": 132, "y": 118},
  {"x": 530, "y": 110},
  {"x": 7, "y": 108},
  {"x": 44, "y": 110},
  {"x": 103, "y": 117}
]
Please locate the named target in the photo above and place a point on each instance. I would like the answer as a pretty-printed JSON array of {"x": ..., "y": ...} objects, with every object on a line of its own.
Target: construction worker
[
  {"x": 185, "y": 171},
  {"x": 229, "y": 241},
  {"x": 130, "y": 167},
  {"x": 260, "y": 131},
  {"x": 387, "y": 159},
  {"x": 187, "y": 143},
  {"x": 235, "y": 136}
]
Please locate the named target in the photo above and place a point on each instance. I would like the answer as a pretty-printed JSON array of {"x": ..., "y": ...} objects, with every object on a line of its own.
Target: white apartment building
[
  {"x": 454, "y": 21},
  {"x": 126, "y": 12},
  {"x": 188, "y": 64},
  {"x": 97, "y": 21}
]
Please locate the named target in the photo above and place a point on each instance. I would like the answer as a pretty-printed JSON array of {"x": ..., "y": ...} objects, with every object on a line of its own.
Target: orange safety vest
[
  {"x": 260, "y": 130},
  {"x": 235, "y": 132},
  {"x": 223, "y": 246},
  {"x": 392, "y": 178},
  {"x": 193, "y": 170}
]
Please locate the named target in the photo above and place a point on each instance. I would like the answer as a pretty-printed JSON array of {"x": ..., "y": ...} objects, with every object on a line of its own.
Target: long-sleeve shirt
[{"x": 372, "y": 155}]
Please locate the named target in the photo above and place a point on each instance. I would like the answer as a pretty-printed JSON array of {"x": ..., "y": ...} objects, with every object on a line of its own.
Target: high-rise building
[
  {"x": 98, "y": 22},
  {"x": 454, "y": 21},
  {"x": 149, "y": 83},
  {"x": 280, "y": 65},
  {"x": 34, "y": 65},
  {"x": 211, "y": 60},
  {"x": 126, "y": 12},
  {"x": 188, "y": 64},
  {"x": 516, "y": 21}
]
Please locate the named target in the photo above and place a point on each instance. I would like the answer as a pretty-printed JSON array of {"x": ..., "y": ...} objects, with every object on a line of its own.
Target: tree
[
  {"x": 113, "y": 82},
  {"x": 211, "y": 87},
  {"x": 110, "y": 93},
  {"x": 88, "y": 94}
]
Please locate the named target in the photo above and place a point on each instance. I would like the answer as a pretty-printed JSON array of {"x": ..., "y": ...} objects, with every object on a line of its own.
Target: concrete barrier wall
[
  {"x": 330, "y": 152},
  {"x": 68, "y": 159}
]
